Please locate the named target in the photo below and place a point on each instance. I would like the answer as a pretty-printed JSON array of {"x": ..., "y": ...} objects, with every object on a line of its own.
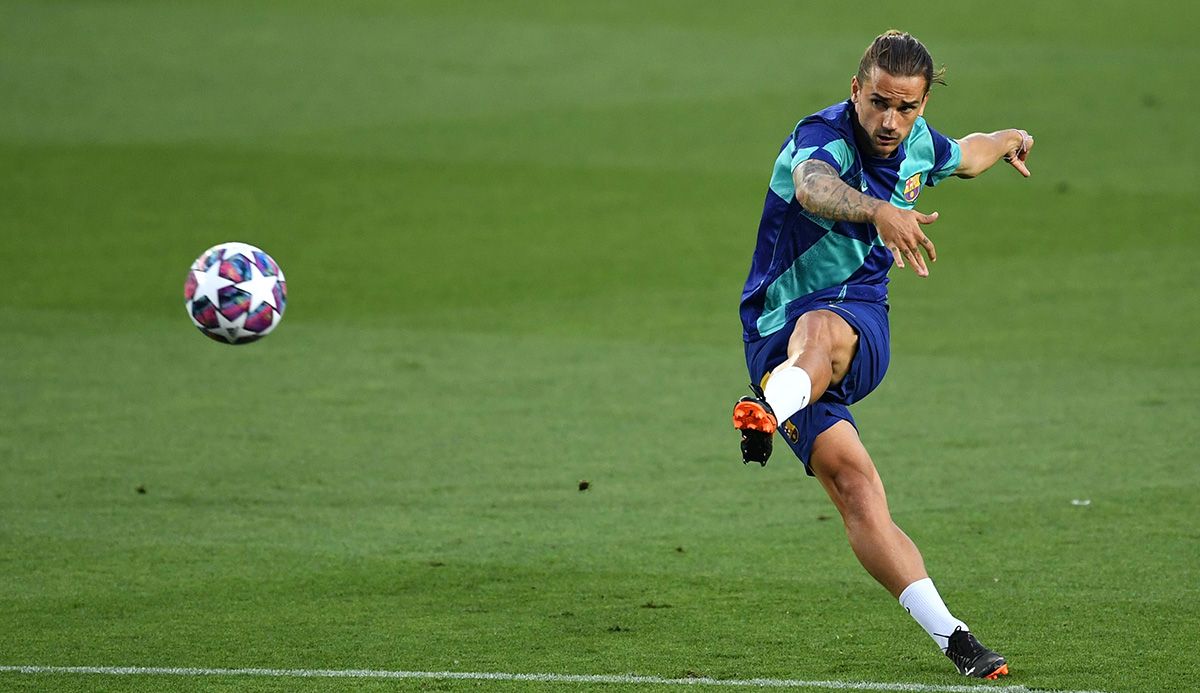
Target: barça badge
[
  {"x": 912, "y": 188},
  {"x": 790, "y": 430}
]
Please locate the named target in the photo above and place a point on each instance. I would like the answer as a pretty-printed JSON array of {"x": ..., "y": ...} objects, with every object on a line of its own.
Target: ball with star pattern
[{"x": 235, "y": 293}]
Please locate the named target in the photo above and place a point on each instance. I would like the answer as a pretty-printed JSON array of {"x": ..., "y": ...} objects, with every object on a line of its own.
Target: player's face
[{"x": 887, "y": 106}]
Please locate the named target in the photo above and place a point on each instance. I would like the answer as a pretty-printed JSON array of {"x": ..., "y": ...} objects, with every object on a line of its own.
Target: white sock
[
  {"x": 787, "y": 391},
  {"x": 924, "y": 604}
]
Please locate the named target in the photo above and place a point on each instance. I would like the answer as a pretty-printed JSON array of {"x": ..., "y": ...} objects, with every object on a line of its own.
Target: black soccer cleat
[
  {"x": 973, "y": 659},
  {"x": 754, "y": 418}
]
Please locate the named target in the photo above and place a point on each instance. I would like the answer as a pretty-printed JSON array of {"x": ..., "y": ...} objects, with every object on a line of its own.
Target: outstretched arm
[
  {"x": 981, "y": 151},
  {"x": 821, "y": 191}
]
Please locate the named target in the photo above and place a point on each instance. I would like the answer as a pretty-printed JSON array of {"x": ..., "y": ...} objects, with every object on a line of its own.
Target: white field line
[{"x": 499, "y": 676}]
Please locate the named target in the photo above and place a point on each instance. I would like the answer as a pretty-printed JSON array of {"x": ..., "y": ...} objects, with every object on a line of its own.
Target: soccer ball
[{"x": 235, "y": 293}]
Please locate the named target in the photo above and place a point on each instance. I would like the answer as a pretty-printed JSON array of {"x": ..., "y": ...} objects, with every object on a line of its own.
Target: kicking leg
[
  {"x": 844, "y": 468},
  {"x": 819, "y": 351}
]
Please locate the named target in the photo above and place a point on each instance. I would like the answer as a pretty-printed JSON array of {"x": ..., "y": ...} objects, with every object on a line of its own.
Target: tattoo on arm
[{"x": 822, "y": 192}]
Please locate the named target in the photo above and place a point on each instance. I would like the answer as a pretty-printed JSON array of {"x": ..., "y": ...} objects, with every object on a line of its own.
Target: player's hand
[
  {"x": 1016, "y": 157},
  {"x": 901, "y": 232}
]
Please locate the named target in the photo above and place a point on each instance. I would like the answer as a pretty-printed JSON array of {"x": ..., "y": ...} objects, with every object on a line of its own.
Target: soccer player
[{"x": 839, "y": 212}]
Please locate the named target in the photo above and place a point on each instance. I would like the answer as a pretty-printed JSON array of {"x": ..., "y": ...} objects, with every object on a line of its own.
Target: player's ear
[
  {"x": 924, "y": 101},
  {"x": 854, "y": 88}
]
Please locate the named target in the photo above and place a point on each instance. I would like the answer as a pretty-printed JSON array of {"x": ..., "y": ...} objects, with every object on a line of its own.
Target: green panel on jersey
[
  {"x": 843, "y": 153},
  {"x": 803, "y": 154},
  {"x": 829, "y": 262},
  {"x": 950, "y": 166},
  {"x": 781, "y": 180},
  {"x": 918, "y": 158}
]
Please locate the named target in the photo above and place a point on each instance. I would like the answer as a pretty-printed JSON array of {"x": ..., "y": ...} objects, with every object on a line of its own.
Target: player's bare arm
[
  {"x": 980, "y": 151},
  {"x": 821, "y": 191}
]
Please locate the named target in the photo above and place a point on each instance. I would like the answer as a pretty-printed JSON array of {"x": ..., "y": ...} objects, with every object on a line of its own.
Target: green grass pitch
[{"x": 515, "y": 234}]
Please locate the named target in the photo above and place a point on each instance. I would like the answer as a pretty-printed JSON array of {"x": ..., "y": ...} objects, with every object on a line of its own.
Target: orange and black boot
[{"x": 754, "y": 418}]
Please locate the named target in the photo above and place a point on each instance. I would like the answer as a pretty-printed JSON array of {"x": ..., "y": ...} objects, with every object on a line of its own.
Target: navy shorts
[{"x": 870, "y": 321}]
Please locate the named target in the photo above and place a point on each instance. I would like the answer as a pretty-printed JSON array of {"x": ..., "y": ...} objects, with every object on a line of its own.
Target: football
[{"x": 235, "y": 293}]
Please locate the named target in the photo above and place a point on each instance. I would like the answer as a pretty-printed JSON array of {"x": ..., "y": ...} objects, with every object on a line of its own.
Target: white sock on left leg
[
  {"x": 924, "y": 604},
  {"x": 787, "y": 391}
]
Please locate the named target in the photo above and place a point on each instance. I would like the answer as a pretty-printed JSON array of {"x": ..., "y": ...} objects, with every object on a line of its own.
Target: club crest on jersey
[{"x": 912, "y": 188}]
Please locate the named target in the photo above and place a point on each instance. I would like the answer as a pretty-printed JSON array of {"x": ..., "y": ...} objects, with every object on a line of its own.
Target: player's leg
[
  {"x": 820, "y": 349},
  {"x": 845, "y": 469},
  {"x": 822, "y": 345}
]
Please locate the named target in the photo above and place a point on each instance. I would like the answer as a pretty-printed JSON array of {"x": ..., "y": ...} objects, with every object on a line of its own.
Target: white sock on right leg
[
  {"x": 787, "y": 391},
  {"x": 924, "y": 604}
]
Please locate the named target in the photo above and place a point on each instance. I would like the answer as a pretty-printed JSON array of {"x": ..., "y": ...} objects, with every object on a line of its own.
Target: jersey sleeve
[
  {"x": 817, "y": 140},
  {"x": 946, "y": 157}
]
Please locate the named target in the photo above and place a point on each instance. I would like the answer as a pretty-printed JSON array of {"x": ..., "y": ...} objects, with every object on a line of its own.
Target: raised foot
[
  {"x": 752, "y": 415},
  {"x": 754, "y": 418}
]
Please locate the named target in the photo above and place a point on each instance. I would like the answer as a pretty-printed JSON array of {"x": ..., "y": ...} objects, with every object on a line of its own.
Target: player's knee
[
  {"x": 815, "y": 328},
  {"x": 859, "y": 495},
  {"x": 826, "y": 331}
]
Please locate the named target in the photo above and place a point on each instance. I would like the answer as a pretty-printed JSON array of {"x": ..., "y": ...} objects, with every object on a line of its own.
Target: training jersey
[{"x": 801, "y": 258}]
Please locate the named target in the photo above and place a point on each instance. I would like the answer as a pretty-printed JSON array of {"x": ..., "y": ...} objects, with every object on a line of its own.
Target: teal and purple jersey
[{"x": 801, "y": 258}]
